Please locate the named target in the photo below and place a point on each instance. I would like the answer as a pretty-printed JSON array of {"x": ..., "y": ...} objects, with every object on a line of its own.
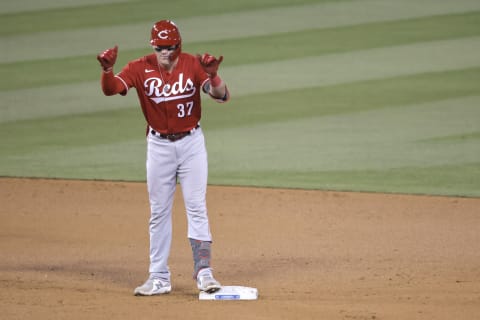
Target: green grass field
[{"x": 360, "y": 95}]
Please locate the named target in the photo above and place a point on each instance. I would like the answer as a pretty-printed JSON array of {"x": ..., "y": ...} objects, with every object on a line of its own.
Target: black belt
[{"x": 173, "y": 136}]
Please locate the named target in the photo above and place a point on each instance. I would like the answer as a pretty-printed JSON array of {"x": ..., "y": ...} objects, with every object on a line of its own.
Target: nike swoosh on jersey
[{"x": 148, "y": 70}]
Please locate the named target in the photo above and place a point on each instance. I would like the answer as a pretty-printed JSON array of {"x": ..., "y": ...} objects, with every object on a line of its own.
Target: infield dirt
[{"x": 77, "y": 249}]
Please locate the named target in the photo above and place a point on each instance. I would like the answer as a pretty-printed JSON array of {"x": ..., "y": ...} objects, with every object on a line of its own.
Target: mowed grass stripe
[
  {"x": 342, "y": 39},
  {"x": 389, "y": 137},
  {"x": 53, "y": 101},
  {"x": 226, "y": 26},
  {"x": 118, "y": 161},
  {"x": 354, "y": 66},
  {"x": 28, "y": 74},
  {"x": 98, "y": 128},
  {"x": 97, "y": 13},
  {"x": 343, "y": 98},
  {"x": 267, "y": 77},
  {"x": 17, "y": 6},
  {"x": 448, "y": 180}
]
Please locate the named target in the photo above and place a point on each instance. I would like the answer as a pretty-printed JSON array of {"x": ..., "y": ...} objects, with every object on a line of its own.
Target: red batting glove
[
  {"x": 107, "y": 58},
  {"x": 209, "y": 64}
]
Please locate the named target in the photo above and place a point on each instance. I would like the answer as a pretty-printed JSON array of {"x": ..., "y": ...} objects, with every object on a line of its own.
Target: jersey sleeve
[
  {"x": 110, "y": 84},
  {"x": 127, "y": 77}
]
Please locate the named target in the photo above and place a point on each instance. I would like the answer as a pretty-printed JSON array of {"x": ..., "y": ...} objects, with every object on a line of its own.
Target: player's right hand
[{"x": 107, "y": 58}]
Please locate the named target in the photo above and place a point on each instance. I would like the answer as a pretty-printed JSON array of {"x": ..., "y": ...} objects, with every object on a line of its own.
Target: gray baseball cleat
[
  {"x": 153, "y": 287},
  {"x": 206, "y": 282}
]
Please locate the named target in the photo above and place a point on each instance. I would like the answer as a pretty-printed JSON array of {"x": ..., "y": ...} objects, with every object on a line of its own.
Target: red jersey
[{"x": 170, "y": 101}]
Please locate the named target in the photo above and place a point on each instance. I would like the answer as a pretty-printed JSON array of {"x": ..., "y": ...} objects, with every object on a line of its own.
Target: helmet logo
[{"x": 163, "y": 34}]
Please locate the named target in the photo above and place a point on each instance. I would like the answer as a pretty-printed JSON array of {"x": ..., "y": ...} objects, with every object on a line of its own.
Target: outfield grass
[
  {"x": 373, "y": 95},
  {"x": 267, "y": 48}
]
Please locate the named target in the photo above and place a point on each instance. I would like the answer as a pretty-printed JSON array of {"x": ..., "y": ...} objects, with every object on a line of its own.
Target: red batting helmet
[{"x": 165, "y": 33}]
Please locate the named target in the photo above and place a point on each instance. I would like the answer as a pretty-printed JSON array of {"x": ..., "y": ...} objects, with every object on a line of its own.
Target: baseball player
[{"x": 168, "y": 84}]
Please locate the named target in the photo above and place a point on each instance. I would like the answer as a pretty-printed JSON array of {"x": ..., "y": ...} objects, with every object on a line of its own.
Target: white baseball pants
[{"x": 185, "y": 159}]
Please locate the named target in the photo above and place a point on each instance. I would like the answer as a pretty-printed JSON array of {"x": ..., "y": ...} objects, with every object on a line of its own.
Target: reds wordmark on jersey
[{"x": 170, "y": 101}]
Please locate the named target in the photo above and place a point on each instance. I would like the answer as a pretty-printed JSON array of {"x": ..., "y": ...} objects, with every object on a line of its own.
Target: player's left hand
[{"x": 209, "y": 63}]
